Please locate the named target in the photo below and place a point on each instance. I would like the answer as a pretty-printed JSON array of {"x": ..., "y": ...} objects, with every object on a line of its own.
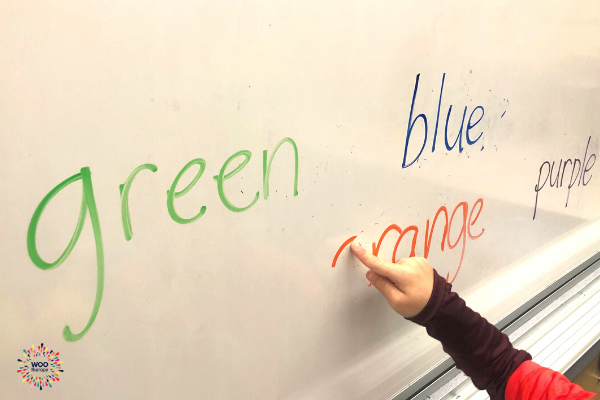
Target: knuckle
[
  {"x": 377, "y": 262},
  {"x": 401, "y": 260}
]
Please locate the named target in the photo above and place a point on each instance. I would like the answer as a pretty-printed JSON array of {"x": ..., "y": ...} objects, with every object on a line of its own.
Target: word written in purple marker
[{"x": 578, "y": 170}]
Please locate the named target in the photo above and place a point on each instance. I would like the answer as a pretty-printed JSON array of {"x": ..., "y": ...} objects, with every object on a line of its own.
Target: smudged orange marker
[{"x": 346, "y": 243}]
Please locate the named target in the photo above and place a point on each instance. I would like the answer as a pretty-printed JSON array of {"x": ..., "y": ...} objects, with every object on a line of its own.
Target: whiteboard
[{"x": 243, "y": 302}]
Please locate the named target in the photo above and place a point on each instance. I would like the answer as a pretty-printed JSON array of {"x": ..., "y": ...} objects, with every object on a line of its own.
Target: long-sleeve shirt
[{"x": 486, "y": 355}]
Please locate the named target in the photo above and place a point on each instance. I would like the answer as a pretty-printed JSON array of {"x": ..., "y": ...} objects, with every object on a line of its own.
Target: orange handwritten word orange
[{"x": 465, "y": 231}]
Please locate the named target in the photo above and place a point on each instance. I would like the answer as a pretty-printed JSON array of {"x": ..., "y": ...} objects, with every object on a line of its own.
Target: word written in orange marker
[{"x": 465, "y": 231}]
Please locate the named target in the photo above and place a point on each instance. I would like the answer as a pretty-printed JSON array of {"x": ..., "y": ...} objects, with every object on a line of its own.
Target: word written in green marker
[{"x": 88, "y": 204}]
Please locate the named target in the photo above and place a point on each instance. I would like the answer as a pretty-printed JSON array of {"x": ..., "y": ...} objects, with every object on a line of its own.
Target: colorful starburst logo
[{"x": 40, "y": 366}]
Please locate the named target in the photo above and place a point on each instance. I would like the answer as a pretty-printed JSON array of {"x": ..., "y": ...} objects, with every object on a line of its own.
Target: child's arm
[
  {"x": 477, "y": 347},
  {"x": 418, "y": 293}
]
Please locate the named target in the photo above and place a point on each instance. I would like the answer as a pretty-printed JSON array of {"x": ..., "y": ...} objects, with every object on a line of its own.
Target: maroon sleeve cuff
[
  {"x": 435, "y": 300},
  {"x": 477, "y": 347}
]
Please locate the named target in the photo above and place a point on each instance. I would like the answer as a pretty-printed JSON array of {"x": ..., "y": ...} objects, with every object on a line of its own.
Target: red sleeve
[{"x": 533, "y": 382}]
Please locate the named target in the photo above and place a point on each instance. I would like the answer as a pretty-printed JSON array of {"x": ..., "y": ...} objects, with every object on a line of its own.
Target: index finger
[{"x": 372, "y": 262}]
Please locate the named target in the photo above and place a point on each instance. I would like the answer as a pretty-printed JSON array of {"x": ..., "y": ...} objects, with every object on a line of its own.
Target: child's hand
[{"x": 406, "y": 285}]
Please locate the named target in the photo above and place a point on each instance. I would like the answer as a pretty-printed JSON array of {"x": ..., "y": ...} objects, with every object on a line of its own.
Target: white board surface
[{"x": 246, "y": 304}]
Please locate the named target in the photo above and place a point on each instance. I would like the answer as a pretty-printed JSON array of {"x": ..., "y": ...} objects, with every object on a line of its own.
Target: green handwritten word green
[{"x": 88, "y": 203}]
